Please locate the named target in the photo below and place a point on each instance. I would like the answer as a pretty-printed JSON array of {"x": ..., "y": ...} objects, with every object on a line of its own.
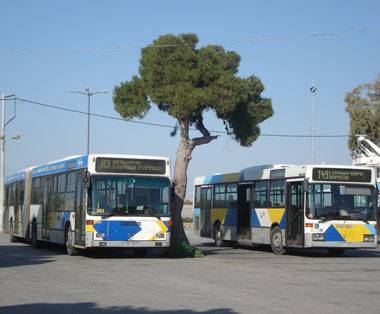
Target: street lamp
[
  {"x": 88, "y": 93},
  {"x": 2, "y": 151},
  {"x": 313, "y": 90}
]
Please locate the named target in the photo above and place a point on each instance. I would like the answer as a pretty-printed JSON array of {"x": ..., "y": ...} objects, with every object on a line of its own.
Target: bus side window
[
  {"x": 70, "y": 191},
  {"x": 231, "y": 195},
  {"x": 220, "y": 195},
  {"x": 12, "y": 194},
  {"x": 276, "y": 193},
  {"x": 260, "y": 196},
  {"x": 21, "y": 193},
  {"x": 6, "y": 200},
  {"x": 197, "y": 202}
]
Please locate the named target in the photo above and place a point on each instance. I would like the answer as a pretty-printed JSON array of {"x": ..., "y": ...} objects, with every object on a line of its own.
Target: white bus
[
  {"x": 92, "y": 201},
  {"x": 285, "y": 206}
]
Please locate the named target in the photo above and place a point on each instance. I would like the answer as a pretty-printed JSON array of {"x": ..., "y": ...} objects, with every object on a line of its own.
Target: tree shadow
[
  {"x": 89, "y": 307},
  {"x": 17, "y": 255}
]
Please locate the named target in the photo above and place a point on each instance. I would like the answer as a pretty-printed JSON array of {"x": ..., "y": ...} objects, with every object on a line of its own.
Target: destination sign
[
  {"x": 341, "y": 175},
  {"x": 128, "y": 165}
]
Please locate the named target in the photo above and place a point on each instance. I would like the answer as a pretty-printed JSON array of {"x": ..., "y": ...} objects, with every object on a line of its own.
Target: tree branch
[{"x": 206, "y": 138}]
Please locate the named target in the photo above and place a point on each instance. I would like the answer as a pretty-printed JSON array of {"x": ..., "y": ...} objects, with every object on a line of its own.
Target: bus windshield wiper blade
[
  {"x": 361, "y": 219},
  {"x": 330, "y": 218}
]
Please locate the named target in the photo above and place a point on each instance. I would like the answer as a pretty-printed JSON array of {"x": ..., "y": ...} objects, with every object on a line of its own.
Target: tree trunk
[{"x": 180, "y": 184}]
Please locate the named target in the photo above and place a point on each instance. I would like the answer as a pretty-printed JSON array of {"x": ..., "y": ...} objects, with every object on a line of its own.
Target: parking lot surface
[{"x": 226, "y": 280}]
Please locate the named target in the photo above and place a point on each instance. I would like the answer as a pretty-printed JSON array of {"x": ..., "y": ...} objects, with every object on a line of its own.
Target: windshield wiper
[
  {"x": 358, "y": 218},
  {"x": 330, "y": 218}
]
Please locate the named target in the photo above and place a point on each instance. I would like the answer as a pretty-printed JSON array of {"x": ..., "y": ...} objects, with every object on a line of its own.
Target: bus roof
[
  {"x": 275, "y": 171},
  {"x": 79, "y": 162},
  {"x": 19, "y": 176},
  {"x": 62, "y": 165}
]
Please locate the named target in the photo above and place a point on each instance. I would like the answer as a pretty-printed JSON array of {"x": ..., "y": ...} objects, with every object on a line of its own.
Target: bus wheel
[
  {"x": 276, "y": 241},
  {"x": 141, "y": 252},
  {"x": 336, "y": 251},
  {"x": 35, "y": 242},
  {"x": 218, "y": 235},
  {"x": 12, "y": 238},
  {"x": 69, "y": 241}
]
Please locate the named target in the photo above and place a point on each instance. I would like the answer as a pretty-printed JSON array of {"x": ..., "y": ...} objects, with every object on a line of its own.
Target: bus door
[
  {"x": 48, "y": 185},
  {"x": 244, "y": 205},
  {"x": 205, "y": 211},
  {"x": 16, "y": 209},
  {"x": 80, "y": 212},
  {"x": 295, "y": 214}
]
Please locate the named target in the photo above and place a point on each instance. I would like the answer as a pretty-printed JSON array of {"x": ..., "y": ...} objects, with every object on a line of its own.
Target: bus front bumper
[
  {"x": 309, "y": 243},
  {"x": 129, "y": 244}
]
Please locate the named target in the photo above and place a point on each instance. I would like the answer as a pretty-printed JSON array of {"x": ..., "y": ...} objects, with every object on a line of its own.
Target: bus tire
[
  {"x": 34, "y": 240},
  {"x": 218, "y": 235},
  {"x": 69, "y": 242},
  {"x": 141, "y": 252},
  {"x": 336, "y": 251},
  {"x": 12, "y": 238},
  {"x": 276, "y": 241}
]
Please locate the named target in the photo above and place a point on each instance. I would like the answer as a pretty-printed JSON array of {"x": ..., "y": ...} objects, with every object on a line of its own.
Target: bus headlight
[
  {"x": 368, "y": 238},
  {"x": 318, "y": 237},
  {"x": 160, "y": 235}
]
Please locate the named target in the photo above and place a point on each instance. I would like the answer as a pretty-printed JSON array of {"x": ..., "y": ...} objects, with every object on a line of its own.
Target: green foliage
[
  {"x": 363, "y": 107},
  {"x": 184, "y": 250},
  {"x": 185, "y": 81}
]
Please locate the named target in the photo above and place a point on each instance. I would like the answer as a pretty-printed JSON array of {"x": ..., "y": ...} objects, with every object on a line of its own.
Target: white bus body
[
  {"x": 97, "y": 200},
  {"x": 322, "y": 206}
]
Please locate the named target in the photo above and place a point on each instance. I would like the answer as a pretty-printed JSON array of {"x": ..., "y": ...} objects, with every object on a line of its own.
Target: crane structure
[{"x": 367, "y": 153}]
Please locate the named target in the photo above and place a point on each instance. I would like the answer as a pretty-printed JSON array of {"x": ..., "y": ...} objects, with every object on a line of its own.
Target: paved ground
[{"x": 227, "y": 280}]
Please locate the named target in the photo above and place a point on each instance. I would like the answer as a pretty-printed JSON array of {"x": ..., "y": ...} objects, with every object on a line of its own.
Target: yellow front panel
[{"x": 352, "y": 232}]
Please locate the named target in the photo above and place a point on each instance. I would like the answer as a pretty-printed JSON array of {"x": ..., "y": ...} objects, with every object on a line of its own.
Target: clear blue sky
[{"x": 286, "y": 67}]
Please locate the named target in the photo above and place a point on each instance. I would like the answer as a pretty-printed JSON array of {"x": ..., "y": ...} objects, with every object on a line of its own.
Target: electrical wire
[
  {"x": 167, "y": 125},
  {"x": 239, "y": 41}
]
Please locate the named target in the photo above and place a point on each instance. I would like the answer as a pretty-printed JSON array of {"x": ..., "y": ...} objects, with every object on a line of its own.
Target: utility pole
[
  {"x": 313, "y": 90},
  {"x": 3, "y": 124},
  {"x": 88, "y": 93}
]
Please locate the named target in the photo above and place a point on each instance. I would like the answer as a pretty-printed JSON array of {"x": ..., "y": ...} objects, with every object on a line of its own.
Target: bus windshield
[
  {"x": 128, "y": 195},
  {"x": 340, "y": 201}
]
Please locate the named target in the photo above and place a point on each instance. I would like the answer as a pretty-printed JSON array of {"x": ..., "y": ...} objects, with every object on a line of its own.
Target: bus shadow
[
  {"x": 208, "y": 248},
  {"x": 118, "y": 253},
  {"x": 358, "y": 253},
  {"x": 92, "y": 308},
  {"x": 15, "y": 255}
]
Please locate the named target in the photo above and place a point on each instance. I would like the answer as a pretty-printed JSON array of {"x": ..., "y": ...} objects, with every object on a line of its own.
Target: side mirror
[{"x": 86, "y": 180}]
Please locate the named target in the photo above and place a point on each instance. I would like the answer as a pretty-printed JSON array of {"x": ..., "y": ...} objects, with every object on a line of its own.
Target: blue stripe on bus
[
  {"x": 231, "y": 219},
  {"x": 14, "y": 178},
  {"x": 254, "y": 219},
  {"x": 117, "y": 230},
  {"x": 61, "y": 166},
  {"x": 283, "y": 221},
  {"x": 332, "y": 234}
]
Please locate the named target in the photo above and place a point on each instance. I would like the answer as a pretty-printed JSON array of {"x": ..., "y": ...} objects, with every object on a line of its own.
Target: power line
[
  {"x": 165, "y": 125},
  {"x": 237, "y": 41}
]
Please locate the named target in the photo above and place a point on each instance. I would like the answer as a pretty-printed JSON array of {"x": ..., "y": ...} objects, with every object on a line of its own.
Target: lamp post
[
  {"x": 3, "y": 124},
  {"x": 313, "y": 90},
  {"x": 88, "y": 93}
]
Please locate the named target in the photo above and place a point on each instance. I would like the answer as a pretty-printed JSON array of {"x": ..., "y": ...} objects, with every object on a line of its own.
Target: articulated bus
[
  {"x": 286, "y": 206},
  {"x": 92, "y": 201}
]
